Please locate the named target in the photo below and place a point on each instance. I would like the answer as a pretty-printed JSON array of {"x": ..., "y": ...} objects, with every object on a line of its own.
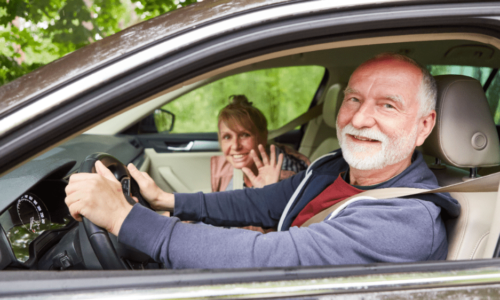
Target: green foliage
[
  {"x": 45, "y": 30},
  {"x": 493, "y": 95},
  {"x": 152, "y": 8},
  {"x": 281, "y": 94}
]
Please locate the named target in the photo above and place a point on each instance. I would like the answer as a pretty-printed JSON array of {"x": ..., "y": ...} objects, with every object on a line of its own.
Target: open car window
[{"x": 281, "y": 94}]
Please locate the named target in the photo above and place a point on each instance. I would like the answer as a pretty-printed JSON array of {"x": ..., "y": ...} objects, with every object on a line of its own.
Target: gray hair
[{"x": 427, "y": 93}]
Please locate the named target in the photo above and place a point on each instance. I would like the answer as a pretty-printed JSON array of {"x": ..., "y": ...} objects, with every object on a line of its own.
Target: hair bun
[{"x": 239, "y": 100}]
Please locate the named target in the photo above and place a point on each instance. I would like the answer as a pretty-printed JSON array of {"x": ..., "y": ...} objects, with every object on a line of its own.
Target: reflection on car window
[
  {"x": 481, "y": 74},
  {"x": 281, "y": 94}
]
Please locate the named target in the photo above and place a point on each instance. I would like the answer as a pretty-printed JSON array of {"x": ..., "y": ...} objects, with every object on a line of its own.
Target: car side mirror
[
  {"x": 164, "y": 120},
  {"x": 159, "y": 121}
]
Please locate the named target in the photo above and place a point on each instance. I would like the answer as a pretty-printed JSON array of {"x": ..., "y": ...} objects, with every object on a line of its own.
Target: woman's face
[{"x": 236, "y": 145}]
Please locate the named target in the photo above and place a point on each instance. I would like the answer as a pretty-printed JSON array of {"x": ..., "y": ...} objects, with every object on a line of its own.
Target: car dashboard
[
  {"x": 38, "y": 210},
  {"x": 36, "y": 228},
  {"x": 30, "y": 215}
]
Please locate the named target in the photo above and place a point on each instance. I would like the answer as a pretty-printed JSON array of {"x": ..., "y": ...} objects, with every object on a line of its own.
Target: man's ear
[{"x": 425, "y": 126}]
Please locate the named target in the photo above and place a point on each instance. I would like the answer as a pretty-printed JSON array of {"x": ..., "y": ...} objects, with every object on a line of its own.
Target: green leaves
[
  {"x": 282, "y": 94},
  {"x": 151, "y": 8},
  {"x": 36, "y": 32}
]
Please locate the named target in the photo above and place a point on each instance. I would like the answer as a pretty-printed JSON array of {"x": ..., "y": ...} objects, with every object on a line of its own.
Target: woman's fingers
[
  {"x": 251, "y": 176},
  {"x": 272, "y": 149},
  {"x": 280, "y": 161},
  {"x": 263, "y": 154},
  {"x": 256, "y": 159}
]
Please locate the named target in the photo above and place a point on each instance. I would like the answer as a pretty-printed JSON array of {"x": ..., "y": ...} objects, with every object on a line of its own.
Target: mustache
[{"x": 368, "y": 133}]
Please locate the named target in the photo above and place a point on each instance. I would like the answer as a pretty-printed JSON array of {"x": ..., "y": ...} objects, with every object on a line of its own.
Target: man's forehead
[
  {"x": 388, "y": 66},
  {"x": 391, "y": 79},
  {"x": 385, "y": 94}
]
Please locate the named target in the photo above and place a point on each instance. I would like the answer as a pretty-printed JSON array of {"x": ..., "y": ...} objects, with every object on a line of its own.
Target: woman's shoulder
[
  {"x": 221, "y": 173},
  {"x": 293, "y": 161},
  {"x": 220, "y": 166}
]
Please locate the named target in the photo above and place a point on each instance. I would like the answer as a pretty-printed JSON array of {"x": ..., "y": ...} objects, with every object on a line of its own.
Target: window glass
[
  {"x": 493, "y": 95},
  {"x": 481, "y": 74},
  {"x": 282, "y": 94}
]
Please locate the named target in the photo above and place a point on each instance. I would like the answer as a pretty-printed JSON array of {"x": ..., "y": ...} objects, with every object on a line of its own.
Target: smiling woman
[{"x": 242, "y": 134}]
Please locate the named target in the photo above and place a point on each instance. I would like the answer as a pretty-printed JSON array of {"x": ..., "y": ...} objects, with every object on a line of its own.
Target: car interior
[
  {"x": 450, "y": 151},
  {"x": 463, "y": 145}
]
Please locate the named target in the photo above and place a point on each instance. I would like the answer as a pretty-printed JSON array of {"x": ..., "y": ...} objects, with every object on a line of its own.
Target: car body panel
[{"x": 189, "y": 285}]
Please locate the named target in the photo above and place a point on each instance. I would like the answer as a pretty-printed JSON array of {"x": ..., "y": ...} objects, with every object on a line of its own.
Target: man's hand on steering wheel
[
  {"x": 157, "y": 198},
  {"x": 84, "y": 194}
]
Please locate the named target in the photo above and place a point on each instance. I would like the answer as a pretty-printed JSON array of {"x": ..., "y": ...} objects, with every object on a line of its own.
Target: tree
[{"x": 36, "y": 32}]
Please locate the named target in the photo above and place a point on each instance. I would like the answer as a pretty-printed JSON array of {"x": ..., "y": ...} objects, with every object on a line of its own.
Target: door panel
[
  {"x": 180, "y": 142},
  {"x": 181, "y": 162},
  {"x": 182, "y": 172}
]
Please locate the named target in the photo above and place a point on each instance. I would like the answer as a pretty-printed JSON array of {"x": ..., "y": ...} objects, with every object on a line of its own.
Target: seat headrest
[
  {"x": 465, "y": 134},
  {"x": 331, "y": 105}
]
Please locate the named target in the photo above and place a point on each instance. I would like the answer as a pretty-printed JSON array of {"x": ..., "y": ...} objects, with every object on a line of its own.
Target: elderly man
[{"x": 387, "y": 111}]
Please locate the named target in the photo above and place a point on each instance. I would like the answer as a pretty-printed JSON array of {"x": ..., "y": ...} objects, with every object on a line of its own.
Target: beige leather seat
[
  {"x": 331, "y": 105},
  {"x": 465, "y": 136}
]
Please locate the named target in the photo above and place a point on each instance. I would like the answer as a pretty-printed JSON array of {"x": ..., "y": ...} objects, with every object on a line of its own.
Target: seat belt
[
  {"x": 237, "y": 179},
  {"x": 489, "y": 183},
  {"x": 300, "y": 120}
]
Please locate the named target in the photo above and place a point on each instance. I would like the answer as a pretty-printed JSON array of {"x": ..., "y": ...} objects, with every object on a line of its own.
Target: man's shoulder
[
  {"x": 327, "y": 162},
  {"x": 417, "y": 175}
]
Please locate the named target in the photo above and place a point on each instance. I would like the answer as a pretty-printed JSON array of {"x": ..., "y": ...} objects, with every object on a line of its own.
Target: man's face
[{"x": 377, "y": 124}]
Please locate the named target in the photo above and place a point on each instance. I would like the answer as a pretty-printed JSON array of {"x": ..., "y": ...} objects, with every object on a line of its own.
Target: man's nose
[{"x": 364, "y": 117}]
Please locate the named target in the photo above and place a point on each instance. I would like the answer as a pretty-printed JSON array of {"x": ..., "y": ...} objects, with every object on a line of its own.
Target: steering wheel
[{"x": 107, "y": 252}]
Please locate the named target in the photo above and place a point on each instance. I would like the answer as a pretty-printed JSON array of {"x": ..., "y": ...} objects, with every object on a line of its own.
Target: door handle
[{"x": 186, "y": 148}]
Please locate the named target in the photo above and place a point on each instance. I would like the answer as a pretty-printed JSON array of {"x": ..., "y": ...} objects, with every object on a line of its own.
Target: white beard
[{"x": 368, "y": 157}]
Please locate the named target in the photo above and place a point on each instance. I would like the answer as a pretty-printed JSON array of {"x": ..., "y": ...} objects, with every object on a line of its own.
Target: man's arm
[
  {"x": 260, "y": 207},
  {"x": 368, "y": 231}
]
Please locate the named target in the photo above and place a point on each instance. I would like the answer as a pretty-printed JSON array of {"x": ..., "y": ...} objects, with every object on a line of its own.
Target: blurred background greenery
[
  {"x": 280, "y": 93},
  {"x": 36, "y": 32}
]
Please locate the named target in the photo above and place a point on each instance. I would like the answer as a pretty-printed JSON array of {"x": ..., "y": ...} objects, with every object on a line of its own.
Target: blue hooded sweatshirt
[{"x": 367, "y": 231}]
